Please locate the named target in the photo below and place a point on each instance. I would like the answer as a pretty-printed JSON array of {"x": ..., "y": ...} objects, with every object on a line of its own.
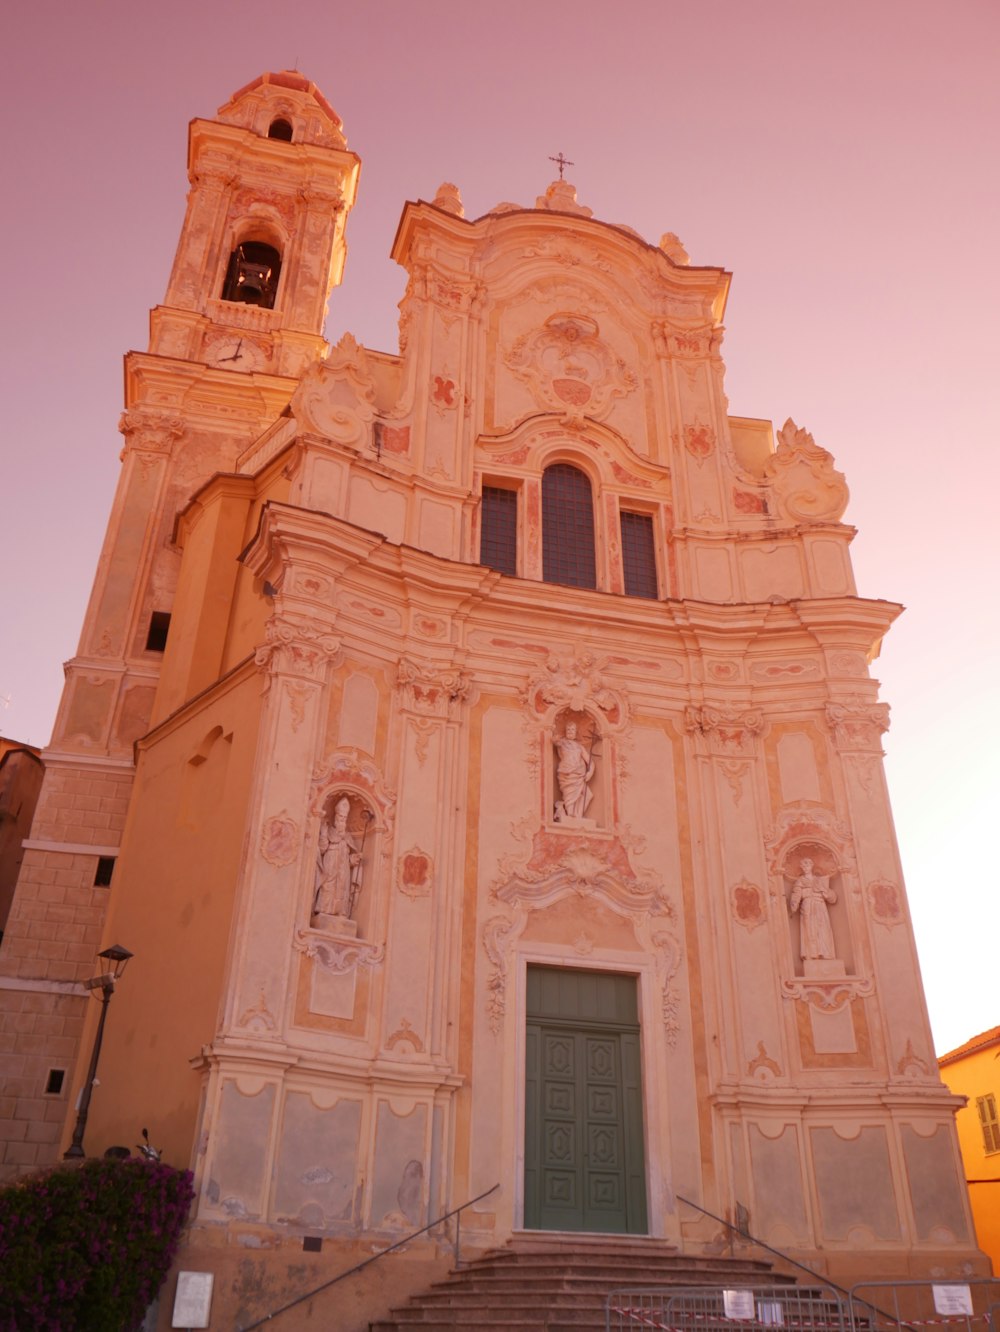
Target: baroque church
[{"x": 483, "y": 742}]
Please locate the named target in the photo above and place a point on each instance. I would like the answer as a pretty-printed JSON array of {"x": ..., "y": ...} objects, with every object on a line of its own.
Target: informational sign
[
  {"x": 952, "y": 1299},
  {"x": 193, "y": 1301},
  {"x": 738, "y": 1303}
]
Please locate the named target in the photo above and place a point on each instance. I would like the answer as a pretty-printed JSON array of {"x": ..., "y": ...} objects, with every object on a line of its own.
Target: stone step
[
  {"x": 540, "y": 1267},
  {"x": 553, "y": 1282},
  {"x": 506, "y": 1284}
]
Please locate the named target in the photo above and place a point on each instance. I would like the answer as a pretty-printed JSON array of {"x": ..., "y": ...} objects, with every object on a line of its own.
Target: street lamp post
[{"x": 116, "y": 957}]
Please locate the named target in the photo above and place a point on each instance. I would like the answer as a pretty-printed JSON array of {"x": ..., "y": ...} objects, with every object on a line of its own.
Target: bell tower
[
  {"x": 262, "y": 246},
  {"x": 260, "y": 250}
]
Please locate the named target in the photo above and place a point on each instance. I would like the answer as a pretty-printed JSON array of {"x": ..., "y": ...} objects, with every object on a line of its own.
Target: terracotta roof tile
[{"x": 984, "y": 1039}]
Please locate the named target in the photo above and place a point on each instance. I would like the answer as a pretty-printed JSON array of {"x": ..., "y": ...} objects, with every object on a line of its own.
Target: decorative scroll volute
[
  {"x": 805, "y": 483},
  {"x": 336, "y": 397}
]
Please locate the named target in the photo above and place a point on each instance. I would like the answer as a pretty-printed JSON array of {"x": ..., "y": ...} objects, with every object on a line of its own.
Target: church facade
[{"x": 485, "y": 737}]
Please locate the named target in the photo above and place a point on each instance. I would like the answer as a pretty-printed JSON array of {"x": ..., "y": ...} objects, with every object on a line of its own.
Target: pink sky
[{"x": 840, "y": 160}]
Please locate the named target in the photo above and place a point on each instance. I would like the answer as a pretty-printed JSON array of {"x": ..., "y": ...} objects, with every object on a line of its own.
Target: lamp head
[{"x": 117, "y": 957}]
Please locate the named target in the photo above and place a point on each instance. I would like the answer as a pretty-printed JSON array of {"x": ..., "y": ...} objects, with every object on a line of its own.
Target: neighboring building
[
  {"x": 973, "y": 1071},
  {"x": 20, "y": 782},
  {"x": 508, "y": 800}
]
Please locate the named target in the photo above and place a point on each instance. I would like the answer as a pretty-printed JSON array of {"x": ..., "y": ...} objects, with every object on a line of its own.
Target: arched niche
[
  {"x": 577, "y": 748},
  {"x": 341, "y": 901},
  {"x": 817, "y": 911}
]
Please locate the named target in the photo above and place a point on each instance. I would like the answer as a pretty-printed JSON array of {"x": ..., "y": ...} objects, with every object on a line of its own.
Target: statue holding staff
[
  {"x": 338, "y": 866},
  {"x": 574, "y": 771}
]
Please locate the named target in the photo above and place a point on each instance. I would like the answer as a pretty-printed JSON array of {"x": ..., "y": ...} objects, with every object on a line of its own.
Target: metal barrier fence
[
  {"x": 911, "y": 1306},
  {"x": 738, "y": 1309}
]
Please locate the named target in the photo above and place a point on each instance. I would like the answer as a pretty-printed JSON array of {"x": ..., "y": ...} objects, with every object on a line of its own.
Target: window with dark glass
[
  {"x": 639, "y": 555},
  {"x": 498, "y": 541},
  {"x": 567, "y": 527},
  {"x": 159, "y": 627}
]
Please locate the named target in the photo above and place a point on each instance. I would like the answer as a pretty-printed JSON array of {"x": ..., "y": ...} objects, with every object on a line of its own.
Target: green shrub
[{"x": 86, "y": 1249}]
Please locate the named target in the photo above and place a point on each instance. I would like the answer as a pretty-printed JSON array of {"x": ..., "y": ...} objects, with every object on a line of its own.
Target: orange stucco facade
[
  {"x": 507, "y": 660},
  {"x": 973, "y": 1071}
]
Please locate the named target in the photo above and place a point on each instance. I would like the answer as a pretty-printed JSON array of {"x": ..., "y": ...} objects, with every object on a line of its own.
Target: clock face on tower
[{"x": 232, "y": 352}]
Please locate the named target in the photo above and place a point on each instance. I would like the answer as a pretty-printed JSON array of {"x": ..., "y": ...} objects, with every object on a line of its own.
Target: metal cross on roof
[{"x": 562, "y": 163}]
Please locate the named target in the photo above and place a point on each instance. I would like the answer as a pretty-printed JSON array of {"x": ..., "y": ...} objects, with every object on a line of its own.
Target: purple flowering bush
[{"x": 86, "y": 1249}]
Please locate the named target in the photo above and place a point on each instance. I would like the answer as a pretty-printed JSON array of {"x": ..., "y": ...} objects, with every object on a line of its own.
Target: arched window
[
  {"x": 567, "y": 527},
  {"x": 252, "y": 275},
  {"x": 280, "y": 129}
]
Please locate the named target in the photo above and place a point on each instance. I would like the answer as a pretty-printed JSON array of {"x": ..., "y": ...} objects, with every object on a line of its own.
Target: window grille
[
  {"x": 567, "y": 527},
  {"x": 498, "y": 540},
  {"x": 639, "y": 555},
  {"x": 987, "y": 1107}
]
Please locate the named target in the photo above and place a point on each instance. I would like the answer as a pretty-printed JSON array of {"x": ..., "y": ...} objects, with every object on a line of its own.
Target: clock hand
[{"x": 236, "y": 356}]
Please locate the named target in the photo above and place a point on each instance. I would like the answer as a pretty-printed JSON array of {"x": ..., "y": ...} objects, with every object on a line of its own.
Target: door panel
[{"x": 584, "y": 1160}]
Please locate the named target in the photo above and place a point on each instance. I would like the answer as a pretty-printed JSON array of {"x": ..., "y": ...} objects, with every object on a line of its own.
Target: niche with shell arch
[
  {"x": 577, "y": 745},
  {"x": 818, "y": 926},
  {"x": 343, "y": 876}
]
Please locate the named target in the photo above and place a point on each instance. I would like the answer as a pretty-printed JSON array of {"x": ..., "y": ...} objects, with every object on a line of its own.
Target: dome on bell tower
[{"x": 285, "y": 105}]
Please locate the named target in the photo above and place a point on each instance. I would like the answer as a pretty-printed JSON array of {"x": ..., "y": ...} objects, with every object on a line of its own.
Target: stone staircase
[{"x": 558, "y": 1282}]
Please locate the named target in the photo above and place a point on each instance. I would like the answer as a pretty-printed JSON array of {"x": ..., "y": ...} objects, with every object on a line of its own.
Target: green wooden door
[{"x": 584, "y": 1159}]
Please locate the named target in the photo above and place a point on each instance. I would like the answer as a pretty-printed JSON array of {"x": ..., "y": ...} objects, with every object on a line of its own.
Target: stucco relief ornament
[
  {"x": 279, "y": 839},
  {"x": 560, "y": 197},
  {"x": 336, "y": 397},
  {"x": 578, "y": 684},
  {"x": 338, "y": 955},
  {"x": 802, "y": 828},
  {"x": 496, "y": 935},
  {"x": 150, "y": 431},
  {"x": 806, "y": 485},
  {"x": 726, "y": 732},
  {"x": 296, "y": 647},
  {"x": 857, "y": 724},
  {"x": 669, "y": 963},
  {"x": 415, "y": 873},
  {"x": 569, "y": 368},
  {"x": 430, "y": 690},
  {"x": 886, "y": 902},
  {"x": 747, "y": 904},
  {"x": 671, "y": 246},
  {"x": 586, "y": 867},
  {"x": 449, "y": 199}
]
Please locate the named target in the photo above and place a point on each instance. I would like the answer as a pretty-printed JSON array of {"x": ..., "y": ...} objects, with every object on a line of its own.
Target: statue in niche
[
  {"x": 811, "y": 893},
  {"x": 338, "y": 870},
  {"x": 575, "y": 767}
]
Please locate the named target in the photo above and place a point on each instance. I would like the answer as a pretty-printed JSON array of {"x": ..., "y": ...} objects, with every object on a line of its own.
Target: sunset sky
[{"x": 839, "y": 159}]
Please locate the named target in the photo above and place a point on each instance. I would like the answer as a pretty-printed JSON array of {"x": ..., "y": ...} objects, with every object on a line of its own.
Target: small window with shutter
[{"x": 987, "y": 1107}]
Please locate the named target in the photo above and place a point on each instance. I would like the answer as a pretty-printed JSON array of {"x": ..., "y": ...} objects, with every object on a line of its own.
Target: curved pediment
[{"x": 607, "y": 455}]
